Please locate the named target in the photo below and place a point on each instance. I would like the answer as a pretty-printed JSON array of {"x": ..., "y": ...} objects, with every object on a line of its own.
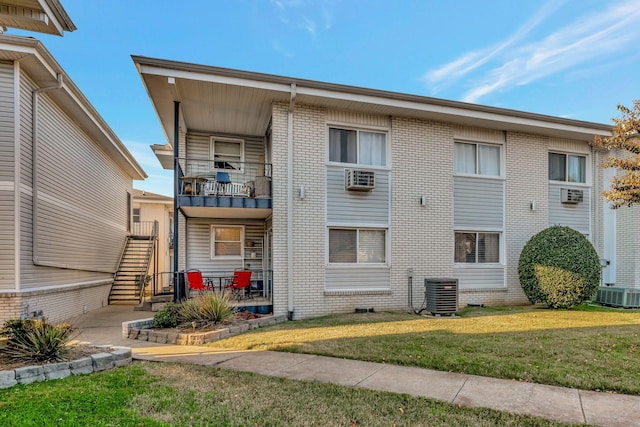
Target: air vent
[
  {"x": 441, "y": 295},
  {"x": 359, "y": 180},
  {"x": 618, "y": 297},
  {"x": 571, "y": 196}
]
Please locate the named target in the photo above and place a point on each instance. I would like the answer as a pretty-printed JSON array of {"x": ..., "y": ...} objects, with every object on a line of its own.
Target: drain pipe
[
  {"x": 292, "y": 103},
  {"x": 34, "y": 160}
]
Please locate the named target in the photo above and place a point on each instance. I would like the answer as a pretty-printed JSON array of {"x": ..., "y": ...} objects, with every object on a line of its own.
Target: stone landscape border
[
  {"x": 53, "y": 371},
  {"x": 141, "y": 330}
]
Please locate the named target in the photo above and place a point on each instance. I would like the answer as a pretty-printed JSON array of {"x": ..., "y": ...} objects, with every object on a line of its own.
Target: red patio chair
[
  {"x": 239, "y": 284},
  {"x": 197, "y": 283}
]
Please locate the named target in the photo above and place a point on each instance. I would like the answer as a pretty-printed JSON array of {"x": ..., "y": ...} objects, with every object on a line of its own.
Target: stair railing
[{"x": 144, "y": 277}]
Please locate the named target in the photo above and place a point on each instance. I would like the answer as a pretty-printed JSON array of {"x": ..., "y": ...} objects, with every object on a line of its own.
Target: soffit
[
  {"x": 221, "y": 100},
  {"x": 42, "y": 16}
]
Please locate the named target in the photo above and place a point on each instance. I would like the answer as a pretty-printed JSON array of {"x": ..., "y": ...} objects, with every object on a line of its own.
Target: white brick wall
[
  {"x": 422, "y": 237},
  {"x": 56, "y": 304}
]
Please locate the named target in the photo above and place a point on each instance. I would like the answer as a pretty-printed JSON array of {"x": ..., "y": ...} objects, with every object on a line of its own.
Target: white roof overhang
[
  {"x": 42, "y": 16},
  {"x": 225, "y": 101},
  {"x": 38, "y": 63}
]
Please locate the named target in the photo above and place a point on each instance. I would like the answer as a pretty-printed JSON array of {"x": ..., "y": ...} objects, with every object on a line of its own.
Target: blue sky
[{"x": 575, "y": 58}]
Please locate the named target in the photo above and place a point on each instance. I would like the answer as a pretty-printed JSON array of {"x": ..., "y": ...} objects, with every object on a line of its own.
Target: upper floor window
[
  {"x": 357, "y": 246},
  {"x": 477, "y": 159},
  {"x": 227, "y": 153},
  {"x": 358, "y": 147},
  {"x": 567, "y": 167},
  {"x": 136, "y": 214}
]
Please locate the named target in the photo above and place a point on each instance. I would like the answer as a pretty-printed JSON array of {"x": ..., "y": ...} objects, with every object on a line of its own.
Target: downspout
[
  {"x": 34, "y": 161},
  {"x": 177, "y": 294},
  {"x": 292, "y": 103}
]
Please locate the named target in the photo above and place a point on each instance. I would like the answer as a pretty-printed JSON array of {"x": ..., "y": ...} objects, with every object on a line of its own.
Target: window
[
  {"x": 136, "y": 214},
  {"x": 567, "y": 167},
  {"x": 227, "y": 154},
  {"x": 471, "y": 247},
  {"x": 357, "y": 147},
  {"x": 361, "y": 246},
  {"x": 226, "y": 241},
  {"x": 477, "y": 159}
]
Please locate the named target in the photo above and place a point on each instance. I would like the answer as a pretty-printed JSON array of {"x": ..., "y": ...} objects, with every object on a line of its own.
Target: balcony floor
[{"x": 224, "y": 207}]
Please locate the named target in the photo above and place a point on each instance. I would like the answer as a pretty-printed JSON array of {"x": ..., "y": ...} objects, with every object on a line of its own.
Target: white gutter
[
  {"x": 34, "y": 160},
  {"x": 292, "y": 102}
]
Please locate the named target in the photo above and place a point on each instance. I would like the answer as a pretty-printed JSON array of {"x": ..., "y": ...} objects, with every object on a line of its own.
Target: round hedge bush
[{"x": 559, "y": 267}]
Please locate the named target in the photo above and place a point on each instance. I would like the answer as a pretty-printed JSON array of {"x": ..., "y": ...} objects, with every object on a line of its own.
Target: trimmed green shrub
[
  {"x": 559, "y": 267},
  {"x": 168, "y": 317},
  {"x": 36, "y": 340}
]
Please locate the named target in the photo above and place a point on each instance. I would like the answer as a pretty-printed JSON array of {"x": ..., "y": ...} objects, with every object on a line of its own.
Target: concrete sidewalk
[{"x": 570, "y": 405}]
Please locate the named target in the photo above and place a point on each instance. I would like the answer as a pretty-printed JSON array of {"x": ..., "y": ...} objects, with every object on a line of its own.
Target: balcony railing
[
  {"x": 224, "y": 178},
  {"x": 145, "y": 229}
]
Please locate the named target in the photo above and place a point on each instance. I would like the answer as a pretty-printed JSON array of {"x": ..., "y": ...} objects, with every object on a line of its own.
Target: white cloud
[
  {"x": 304, "y": 15},
  {"x": 514, "y": 62},
  {"x": 280, "y": 49}
]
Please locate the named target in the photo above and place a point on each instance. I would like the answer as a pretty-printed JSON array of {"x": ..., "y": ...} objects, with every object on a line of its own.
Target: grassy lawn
[
  {"x": 588, "y": 348},
  {"x": 167, "y": 394}
]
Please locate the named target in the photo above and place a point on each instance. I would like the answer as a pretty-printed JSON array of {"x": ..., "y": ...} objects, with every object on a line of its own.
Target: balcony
[{"x": 222, "y": 187}]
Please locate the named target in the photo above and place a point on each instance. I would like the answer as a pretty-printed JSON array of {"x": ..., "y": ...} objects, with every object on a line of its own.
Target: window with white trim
[
  {"x": 227, "y": 153},
  {"x": 477, "y": 247},
  {"x": 567, "y": 167},
  {"x": 226, "y": 241},
  {"x": 136, "y": 214},
  {"x": 357, "y": 246},
  {"x": 357, "y": 147},
  {"x": 477, "y": 159}
]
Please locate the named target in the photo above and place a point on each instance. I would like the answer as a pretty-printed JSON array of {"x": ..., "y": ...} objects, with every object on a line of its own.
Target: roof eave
[{"x": 394, "y": 103}]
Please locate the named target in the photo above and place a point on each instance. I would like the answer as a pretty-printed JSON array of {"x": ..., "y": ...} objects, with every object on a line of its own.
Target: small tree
[{"x": 625, "y": 189}]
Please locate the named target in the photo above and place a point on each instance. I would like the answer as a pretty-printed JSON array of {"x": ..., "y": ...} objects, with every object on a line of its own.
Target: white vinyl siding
[
  {"x": 7, "y": 170},
  {"x": 479, "y": 276},
  {"x": 198, "y": 245},
  {"x": 478, "y": 203},
  {"x": 82, "y": 206},
  {"x": 357, "y": 207},
  {"x": 6, "y": 122},
  {"x": 576, "y": 216},
  {"x": 479, "y": 209},
  {"x": 357, "y": 279},
  {"x": 364, "y": 214},
  {"x": 198, "y": 147}
]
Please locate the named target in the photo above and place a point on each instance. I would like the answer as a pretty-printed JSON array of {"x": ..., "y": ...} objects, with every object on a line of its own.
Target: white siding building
[{"x": 65, "y": 190}]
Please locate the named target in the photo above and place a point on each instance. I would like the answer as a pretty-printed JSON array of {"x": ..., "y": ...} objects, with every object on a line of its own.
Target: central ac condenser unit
[{"x": 441, "y": 295}]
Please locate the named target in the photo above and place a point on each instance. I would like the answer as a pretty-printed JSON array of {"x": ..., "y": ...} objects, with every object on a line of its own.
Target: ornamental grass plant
[{"x": 35, "y": 340}]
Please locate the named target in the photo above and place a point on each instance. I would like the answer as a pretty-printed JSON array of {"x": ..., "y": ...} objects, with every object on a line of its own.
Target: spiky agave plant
[{"x": 36, "y": 340}]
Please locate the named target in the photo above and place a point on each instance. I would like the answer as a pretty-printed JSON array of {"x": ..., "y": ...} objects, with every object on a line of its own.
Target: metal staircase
[{"x": 131, "y": 277}]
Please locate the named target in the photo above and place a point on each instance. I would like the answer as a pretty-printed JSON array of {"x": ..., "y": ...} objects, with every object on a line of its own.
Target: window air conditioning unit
[
  {"x": 571, "y": 196},
  {"x": 359, "y": 180}
]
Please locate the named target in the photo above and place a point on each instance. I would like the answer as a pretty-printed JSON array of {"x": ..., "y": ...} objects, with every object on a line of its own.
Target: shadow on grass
[{"x": 573, "y": 348}]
